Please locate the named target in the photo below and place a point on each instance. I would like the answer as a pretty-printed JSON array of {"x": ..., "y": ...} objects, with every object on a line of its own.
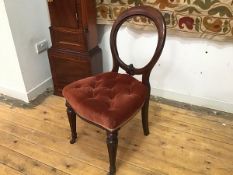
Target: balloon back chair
[{"x": 109, "y": 100}]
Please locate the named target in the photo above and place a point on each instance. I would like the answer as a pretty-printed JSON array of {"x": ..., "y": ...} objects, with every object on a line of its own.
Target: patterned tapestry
[{"x": 211, "y": 19}]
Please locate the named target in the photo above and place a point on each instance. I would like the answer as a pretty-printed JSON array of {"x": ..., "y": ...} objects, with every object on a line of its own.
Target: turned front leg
[
  {"x": 72, "y": 120},
  {"x": 112, "y": 143}
]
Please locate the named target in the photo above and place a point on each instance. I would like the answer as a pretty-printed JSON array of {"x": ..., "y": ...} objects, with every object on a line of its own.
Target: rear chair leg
[
  {"x": 112, "y": 143},
  {"x": 72, "y": 120},
  {"x": 144, "y": 113}
]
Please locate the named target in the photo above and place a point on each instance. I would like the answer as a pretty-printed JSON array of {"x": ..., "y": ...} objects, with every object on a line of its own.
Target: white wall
[
  {"x": 11, "y": 80},
  {"x": 29, "y": 23},
  {"x": 194, "y": 71},
  {"x": 185, "y": 71}
]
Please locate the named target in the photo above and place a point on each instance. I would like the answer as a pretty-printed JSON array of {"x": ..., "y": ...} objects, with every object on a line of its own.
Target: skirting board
[
  {"x": 39, "y": 89},
  {"x": 199, "y": 101}
]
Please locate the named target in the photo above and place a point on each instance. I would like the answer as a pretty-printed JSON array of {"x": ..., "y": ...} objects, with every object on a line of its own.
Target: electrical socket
[{"x": 42, "y": 46}]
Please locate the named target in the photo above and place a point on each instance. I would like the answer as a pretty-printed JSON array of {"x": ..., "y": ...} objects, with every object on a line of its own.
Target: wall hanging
[{"x": 212, "y": 19}]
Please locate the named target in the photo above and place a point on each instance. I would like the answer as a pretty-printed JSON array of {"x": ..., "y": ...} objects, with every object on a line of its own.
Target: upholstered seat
[{"x": 109, "y": 99}]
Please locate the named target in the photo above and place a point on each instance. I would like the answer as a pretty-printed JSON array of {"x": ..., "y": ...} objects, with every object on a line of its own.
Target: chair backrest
[{"x": 155, "y": 16}]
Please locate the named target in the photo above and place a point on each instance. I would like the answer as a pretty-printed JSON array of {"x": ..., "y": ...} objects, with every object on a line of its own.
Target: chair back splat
[
  {"x": 156, "y": 17},
  {"x": 109, "y": 100}
]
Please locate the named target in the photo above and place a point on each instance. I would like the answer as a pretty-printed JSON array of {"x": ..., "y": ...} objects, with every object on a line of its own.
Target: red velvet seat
[{"x": 109, "y": 99}]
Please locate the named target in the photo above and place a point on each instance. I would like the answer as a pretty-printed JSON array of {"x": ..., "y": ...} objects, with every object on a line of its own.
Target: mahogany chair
[{"x": 110, "y": 100}]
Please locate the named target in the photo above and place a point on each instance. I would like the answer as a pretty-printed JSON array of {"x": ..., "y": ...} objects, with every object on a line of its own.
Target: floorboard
[{"x": 35, "y": 140}]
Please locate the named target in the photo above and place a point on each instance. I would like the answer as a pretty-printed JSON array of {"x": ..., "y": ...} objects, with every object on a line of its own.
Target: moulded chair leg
[
  {"x": 144, "y": 114},
  {"x": 72, "y": 120},
  {"x": 112, "y": 143}
]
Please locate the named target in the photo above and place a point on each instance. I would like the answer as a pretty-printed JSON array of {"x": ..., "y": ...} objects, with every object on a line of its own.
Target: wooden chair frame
[{"x": 112, "y": 136}]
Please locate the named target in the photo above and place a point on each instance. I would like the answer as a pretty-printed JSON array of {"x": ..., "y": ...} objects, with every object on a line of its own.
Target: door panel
[{"x": 64, "y": 13}]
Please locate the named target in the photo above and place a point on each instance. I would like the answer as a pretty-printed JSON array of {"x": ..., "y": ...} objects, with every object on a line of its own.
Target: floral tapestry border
[{"x": 211, "y": 19}]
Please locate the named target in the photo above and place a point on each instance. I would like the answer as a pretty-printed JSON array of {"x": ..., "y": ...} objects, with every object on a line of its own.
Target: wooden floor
[{"x": 35, "y": 141}]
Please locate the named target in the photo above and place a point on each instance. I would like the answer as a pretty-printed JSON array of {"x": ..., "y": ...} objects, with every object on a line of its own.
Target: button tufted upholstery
[{"x": 108, "y": 99}]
